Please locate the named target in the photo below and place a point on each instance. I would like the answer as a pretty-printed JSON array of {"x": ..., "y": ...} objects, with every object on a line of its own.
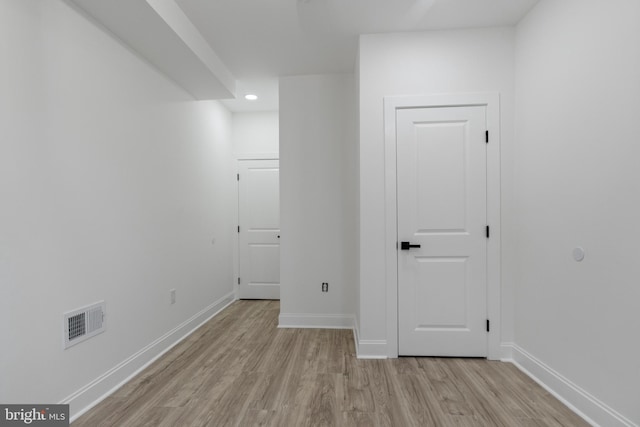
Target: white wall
[
  {"x": 255, "y": 133},
  {"x": 578, "y": 93},
  {"x": 417, "y": 64},
  {"x": 113, "y": 183},
  {"x": 318, "y": 193}
]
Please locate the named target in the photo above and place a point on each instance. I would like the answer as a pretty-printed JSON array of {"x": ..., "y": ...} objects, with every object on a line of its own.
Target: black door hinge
[
  {"x": 238, "y": 229},
  {"x": 486, "y": 136},
  {"x": 488, "y": 328},
  {"x": 238, "y": 280},
  {"x": 238, "y": 176},
  {"x": 488, "y": 233}
]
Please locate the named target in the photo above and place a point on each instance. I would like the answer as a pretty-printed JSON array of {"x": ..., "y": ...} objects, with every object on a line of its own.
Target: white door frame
[
  {"x": 236, "y": 211},
  {"x": 492, "y": 103}
]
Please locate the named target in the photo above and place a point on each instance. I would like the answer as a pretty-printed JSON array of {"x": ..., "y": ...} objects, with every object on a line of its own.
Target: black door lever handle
[{"x": 405, "y": 246}]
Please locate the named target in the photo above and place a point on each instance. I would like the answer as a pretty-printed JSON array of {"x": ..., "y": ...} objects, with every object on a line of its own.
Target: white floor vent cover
[{"x": 83, "y": 323}]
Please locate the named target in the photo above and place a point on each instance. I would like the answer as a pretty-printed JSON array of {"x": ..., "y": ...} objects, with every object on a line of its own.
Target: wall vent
[{"x": 84, "y": 323}]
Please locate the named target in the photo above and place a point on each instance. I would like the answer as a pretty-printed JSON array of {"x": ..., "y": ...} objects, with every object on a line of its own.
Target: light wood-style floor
[{"x": 240, "y": 370}]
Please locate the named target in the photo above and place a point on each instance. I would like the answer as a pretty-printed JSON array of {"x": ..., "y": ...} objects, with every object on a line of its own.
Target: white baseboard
[
  {"x": 593, "y": 410},
  {"x": 506, "y": 351},
  {"x": 372, "y": 349},
  {"x": 317, "y": 321},
  {"x": 368, "y": 349},
  {"x": 356, "y": 335},
  {"x": 97, "y": 390}
]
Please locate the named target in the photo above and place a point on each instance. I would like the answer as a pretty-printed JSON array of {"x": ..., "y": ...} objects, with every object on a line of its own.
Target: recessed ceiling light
[{"x": 251, "y": 97}]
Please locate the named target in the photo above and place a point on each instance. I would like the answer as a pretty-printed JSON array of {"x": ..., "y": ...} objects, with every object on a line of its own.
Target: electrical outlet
[
  {"x": 325, "y": 287},
  {"x": 172, "y": 293}
]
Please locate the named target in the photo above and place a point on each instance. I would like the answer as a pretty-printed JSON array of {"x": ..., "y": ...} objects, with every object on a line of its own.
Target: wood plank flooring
[{"x": 240, "y": 370}]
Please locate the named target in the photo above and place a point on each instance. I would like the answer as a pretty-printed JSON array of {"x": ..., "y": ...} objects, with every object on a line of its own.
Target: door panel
[
  {"x": 261, "y": 183},
  {"x": 440, "y": 158},
  {"x": 448, "y": 277},
  {"x": 264, "y": 259},
  {"x": 441, "y": 155},
  {"x": 259, "y": 237}
]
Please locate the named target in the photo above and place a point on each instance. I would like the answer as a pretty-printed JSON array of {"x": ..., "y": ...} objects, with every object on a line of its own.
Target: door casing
[
  {"x": 492, "y": 103},
  {"x": 236, "y": 213},
  {"x": 262, "y": 239}
]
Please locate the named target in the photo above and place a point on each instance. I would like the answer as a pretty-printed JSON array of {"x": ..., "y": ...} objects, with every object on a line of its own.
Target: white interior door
[
  {"x": 441, "y": 179},
  {"x": 259, "y": 232}
]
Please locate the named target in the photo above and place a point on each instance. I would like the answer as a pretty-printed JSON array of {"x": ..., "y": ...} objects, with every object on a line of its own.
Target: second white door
[
  {"x": 259, "y": 229},
  {"x": 442, "y": 190}
]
